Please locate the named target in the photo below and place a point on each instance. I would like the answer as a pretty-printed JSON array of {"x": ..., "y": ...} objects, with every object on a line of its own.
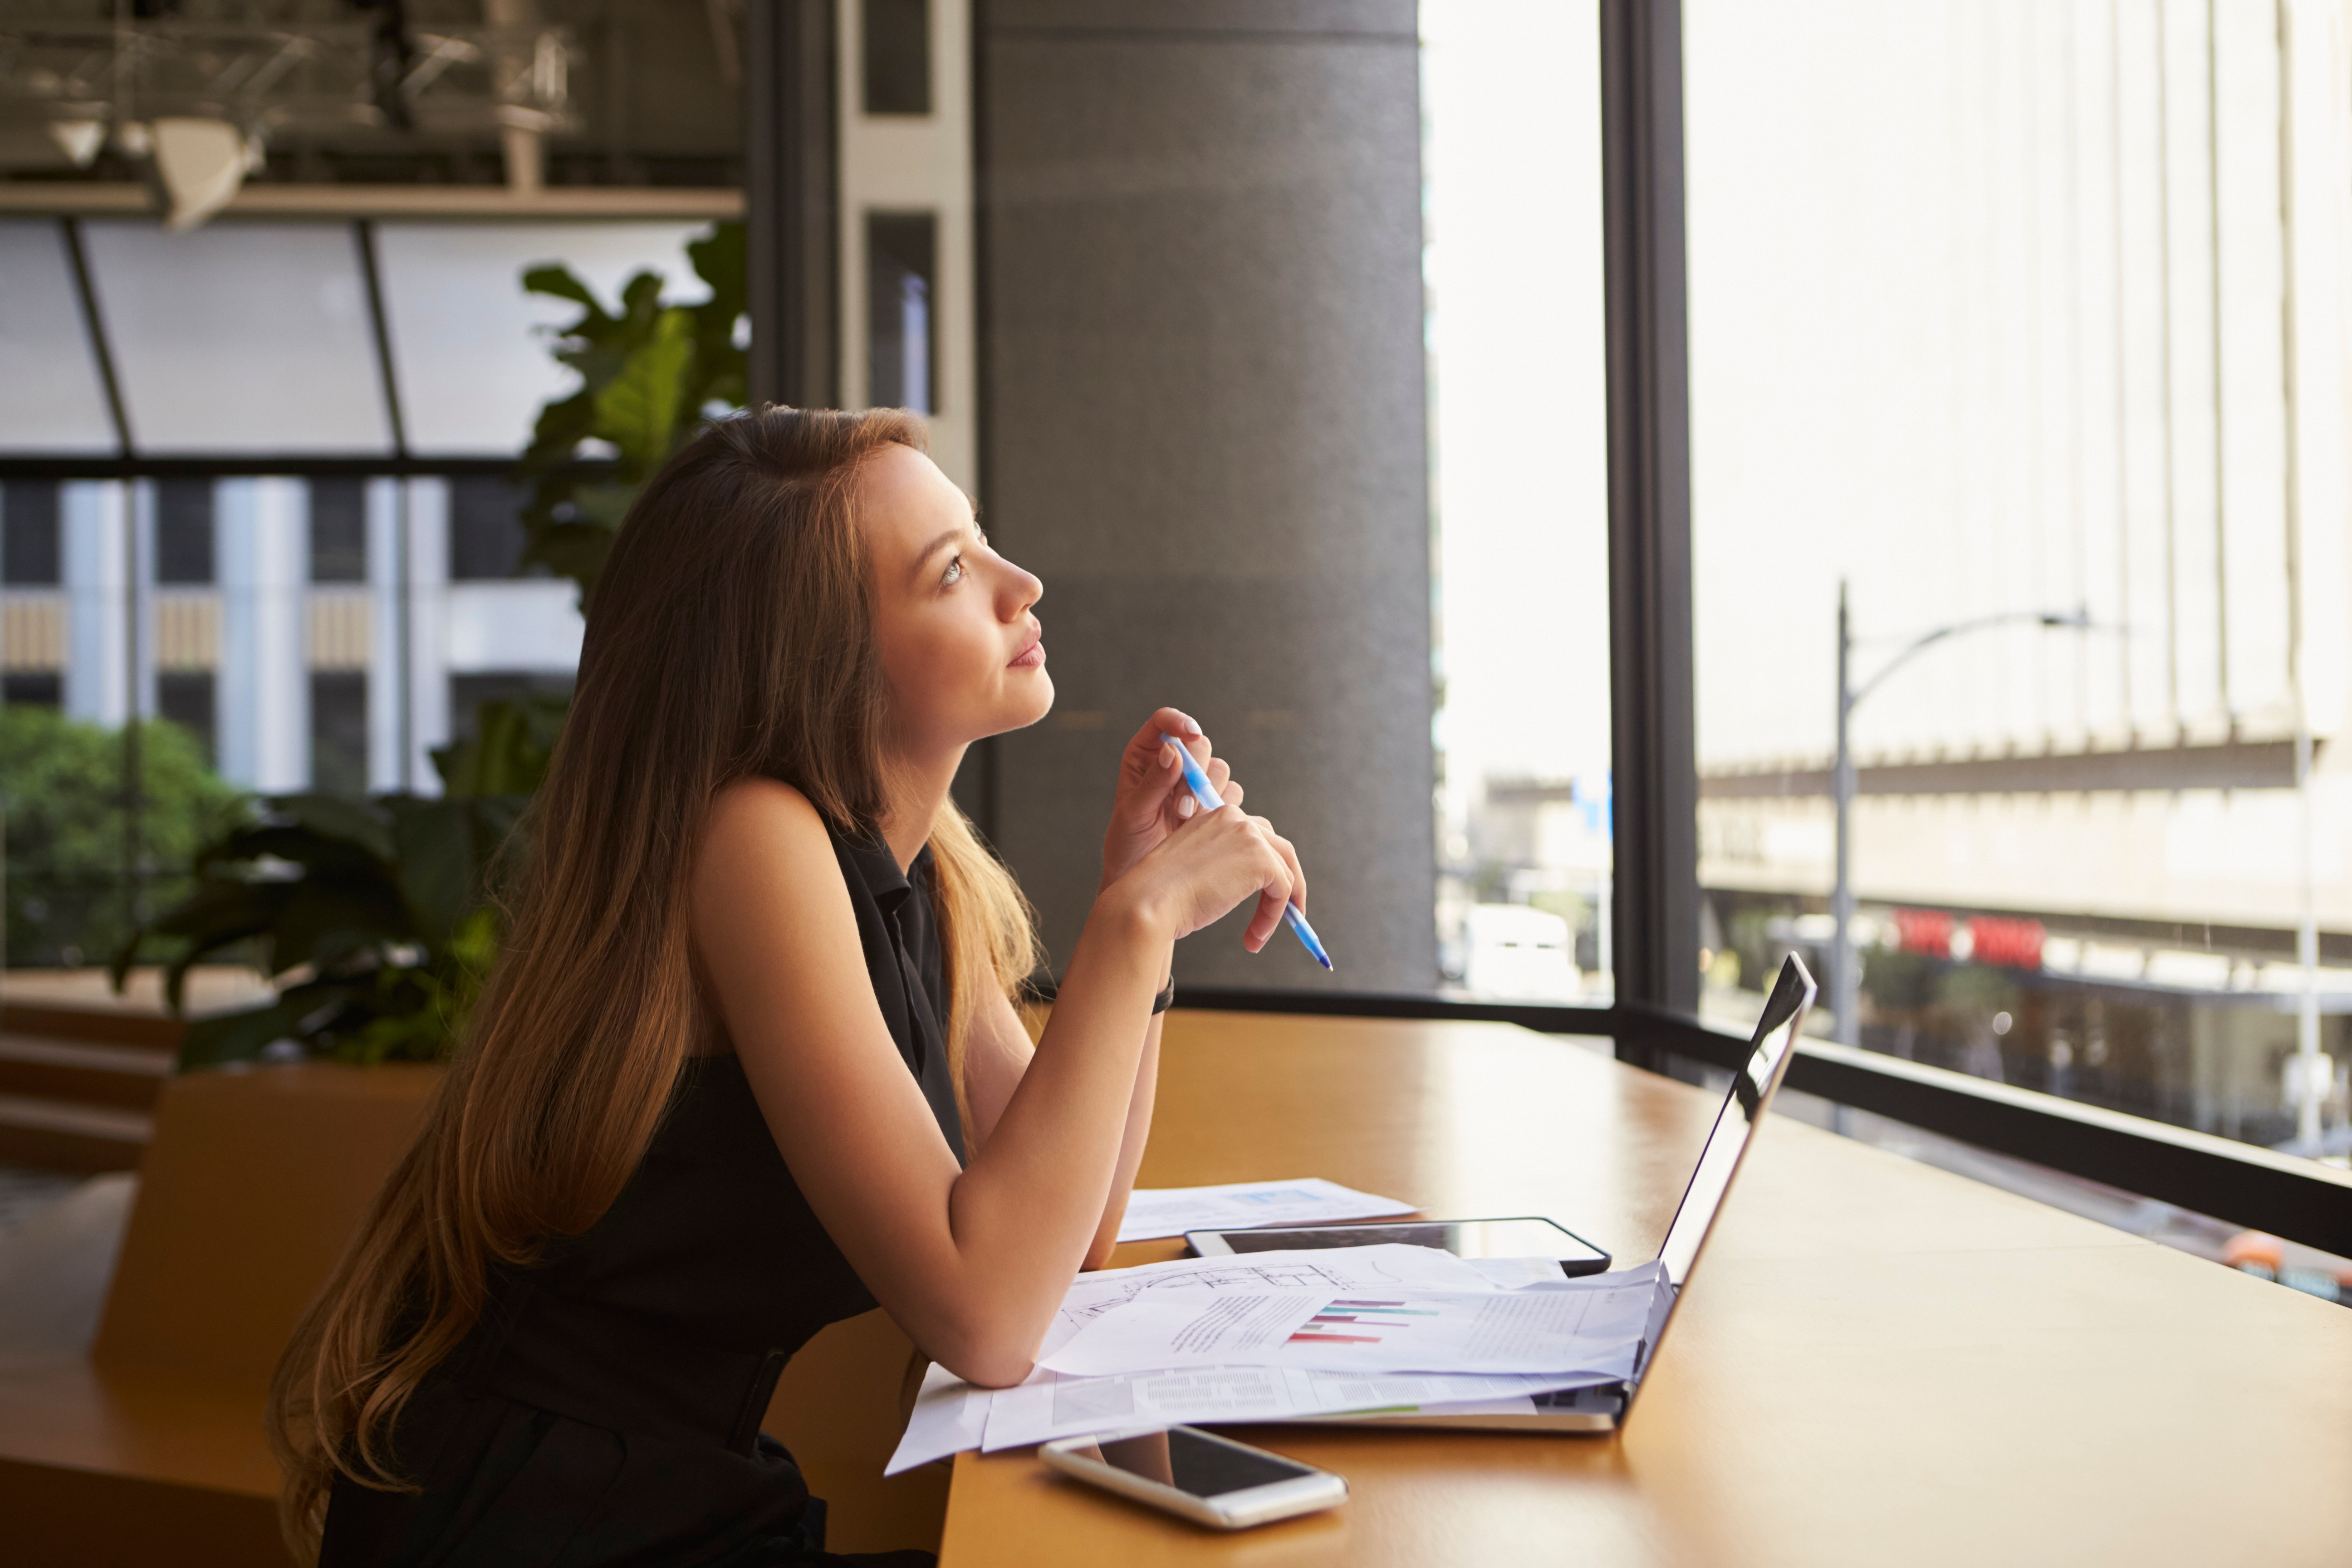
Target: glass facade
[
  {"x": 321, "y": 633},
  {"x": 2018, "y": 381},
  {"x": 1518, "y": 496},
  {"x": 245, "y": 337},
  {"x": 51, "y": 397}
]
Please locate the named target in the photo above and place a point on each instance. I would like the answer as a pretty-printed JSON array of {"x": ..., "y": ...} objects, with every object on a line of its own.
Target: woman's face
[{"x": 959, "y": 647}]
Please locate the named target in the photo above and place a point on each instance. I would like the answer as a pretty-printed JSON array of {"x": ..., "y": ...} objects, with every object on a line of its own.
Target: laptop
[{"x": 1604, "y": 1408}]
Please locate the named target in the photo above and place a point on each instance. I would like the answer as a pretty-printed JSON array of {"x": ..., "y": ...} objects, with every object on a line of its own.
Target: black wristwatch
[{"x": 1166, "y": 997}]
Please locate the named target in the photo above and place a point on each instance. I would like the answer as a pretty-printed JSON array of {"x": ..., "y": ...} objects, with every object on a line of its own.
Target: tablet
[{"x": 1525, "y": 1237}]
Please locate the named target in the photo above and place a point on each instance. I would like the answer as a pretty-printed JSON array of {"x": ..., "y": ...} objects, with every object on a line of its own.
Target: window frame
[{"x": 1655, "y": 1018}]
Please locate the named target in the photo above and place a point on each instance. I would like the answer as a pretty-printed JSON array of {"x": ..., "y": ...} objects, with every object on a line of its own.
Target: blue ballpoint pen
[{"x": 1210, "y": 800}]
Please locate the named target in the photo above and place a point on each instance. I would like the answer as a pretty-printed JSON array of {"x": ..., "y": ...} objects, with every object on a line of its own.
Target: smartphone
[{"x": 1208, "y": 1479}]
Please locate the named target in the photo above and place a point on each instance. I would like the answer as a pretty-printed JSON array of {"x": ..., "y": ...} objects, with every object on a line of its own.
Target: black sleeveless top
[{"x": 606, "y": 1408}]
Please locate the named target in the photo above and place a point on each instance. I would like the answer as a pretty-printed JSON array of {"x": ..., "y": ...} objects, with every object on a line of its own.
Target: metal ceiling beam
[
  {"x": 94, "y": 324},
  {"x": 79, "y": 198}
]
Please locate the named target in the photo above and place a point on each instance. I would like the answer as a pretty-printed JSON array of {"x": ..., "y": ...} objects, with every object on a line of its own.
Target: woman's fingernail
[
  {"x": 1184, "y": 806},
  {"x": 1167, "y": 755},
  {"x": 1192, "y": 727}
]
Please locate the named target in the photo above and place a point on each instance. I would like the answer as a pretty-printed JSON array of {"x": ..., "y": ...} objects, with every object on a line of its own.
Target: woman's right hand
[{"x": 1208, "y": 866}]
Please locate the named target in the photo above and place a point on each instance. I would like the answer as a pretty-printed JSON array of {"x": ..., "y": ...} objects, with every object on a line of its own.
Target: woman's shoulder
[
  {"x": 763, "y": 813},
  {"x": 761, "y": 829}
]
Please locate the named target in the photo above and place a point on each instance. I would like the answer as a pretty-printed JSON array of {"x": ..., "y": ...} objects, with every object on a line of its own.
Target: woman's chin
[{"x": 1033, "y": 697}]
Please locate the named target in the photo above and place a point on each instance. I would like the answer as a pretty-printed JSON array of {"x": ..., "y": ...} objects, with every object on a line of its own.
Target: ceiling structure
[{"x": 195, "y": 106}]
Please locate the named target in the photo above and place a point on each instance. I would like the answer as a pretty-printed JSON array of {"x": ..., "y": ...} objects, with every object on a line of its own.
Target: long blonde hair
[{"x": 731, "y": 636}]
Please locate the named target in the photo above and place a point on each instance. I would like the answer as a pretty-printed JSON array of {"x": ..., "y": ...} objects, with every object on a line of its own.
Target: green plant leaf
[
  {"x": 225, "y": 1037},
  {"x": 635, "y": 381},
  {"x": 606, "y": 507},
  {"x": 563, "y": 284},
  {"x": 577, "y": 550},
  {"x": 641, "y": 296},
  {"x": 321, "y": 912},
  {"x": 720, "y": 259},
  {"x": 561, "y": 426},
  {"x": 220, "y": 912},
  {"x": 438, "y": 865},
  {"x": 296, "y": 846},
  {"x": 638, "y": 411},
  {"x": 332, "y": 816}
]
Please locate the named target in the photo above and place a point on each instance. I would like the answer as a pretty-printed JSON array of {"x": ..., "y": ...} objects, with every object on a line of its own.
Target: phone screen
[{"x": 1193, "y": 1462}]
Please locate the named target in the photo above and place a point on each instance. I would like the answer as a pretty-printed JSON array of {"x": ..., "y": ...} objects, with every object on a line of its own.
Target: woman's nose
[{"x": 1021, "y": 590}]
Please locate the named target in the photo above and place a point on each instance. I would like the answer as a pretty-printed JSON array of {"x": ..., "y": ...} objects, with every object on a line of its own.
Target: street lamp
[{"x": 1845, "y": 974}]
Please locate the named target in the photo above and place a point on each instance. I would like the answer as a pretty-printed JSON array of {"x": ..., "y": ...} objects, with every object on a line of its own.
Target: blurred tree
[{"x": 61, "y": 789}]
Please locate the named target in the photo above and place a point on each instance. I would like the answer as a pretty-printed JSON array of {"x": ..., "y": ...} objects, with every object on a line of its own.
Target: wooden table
[{"x": 1879, "y": 1362}]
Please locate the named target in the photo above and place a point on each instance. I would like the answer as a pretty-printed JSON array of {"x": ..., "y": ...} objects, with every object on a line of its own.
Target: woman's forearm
[
  {"x": 1130, "y": 1149},
  {"x": 1026, "y": 1213}
]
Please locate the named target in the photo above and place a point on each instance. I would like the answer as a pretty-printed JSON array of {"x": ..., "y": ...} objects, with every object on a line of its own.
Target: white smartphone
[{"x": 1208, "y": 1479}]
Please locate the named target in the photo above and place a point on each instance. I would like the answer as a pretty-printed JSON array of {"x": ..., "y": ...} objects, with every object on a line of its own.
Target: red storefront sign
[
  {"x": 2011, "y": 943},
  {"x": 1927, "y": 932},
  {"x": 2003, "y": 939}
]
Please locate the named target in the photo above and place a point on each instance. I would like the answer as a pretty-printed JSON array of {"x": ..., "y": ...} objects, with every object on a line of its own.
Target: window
[
  {"x": 898, "y": 47},
  {"x": 2052, "y": 421},
  {"x": 184, "y": 530},
  {"x": 486, "y": 533},
  {"x": 339, "y": 531},
  {"x": 33, "y": 689},
  {"x": 50, "y": 398},
  {"x": 901, "y": 263},
  {"x": 188, "y": 698},
  {"x": 1519, "y": 496},
  {"x": 29, "y": 544},
  {"x": 240, "y": 337},
  {"x": 339, "y": 732}
]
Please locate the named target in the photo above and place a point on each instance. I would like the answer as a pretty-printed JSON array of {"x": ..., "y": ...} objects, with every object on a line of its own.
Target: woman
[{"x": 747, "y": 1065}]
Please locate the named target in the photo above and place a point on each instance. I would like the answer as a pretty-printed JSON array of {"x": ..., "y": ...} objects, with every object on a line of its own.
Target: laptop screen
[{"x": 1774, "y": 1044}]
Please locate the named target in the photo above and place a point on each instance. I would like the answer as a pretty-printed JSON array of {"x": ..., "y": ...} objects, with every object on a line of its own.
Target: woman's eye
[{"x": 954, "y": 572}]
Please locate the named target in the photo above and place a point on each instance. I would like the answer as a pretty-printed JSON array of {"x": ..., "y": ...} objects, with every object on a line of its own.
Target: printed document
[
  {"x": 1154, "y": 1212},
  {"x": 1227, "y": 1336},
  {"x": 950, "y": 1415},
  {"x": 1332, "y": 1271},
  {"x": 1574, "y": 1326},
  {"x": 1050, "y": 1405}
]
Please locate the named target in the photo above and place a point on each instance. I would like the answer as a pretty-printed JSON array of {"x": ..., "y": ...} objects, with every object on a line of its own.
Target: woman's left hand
[{"x": 1152, "y": 800}]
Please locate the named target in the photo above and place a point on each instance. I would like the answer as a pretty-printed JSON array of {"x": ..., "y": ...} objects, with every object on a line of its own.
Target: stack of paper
[{"x": 1273, "y": 1336}]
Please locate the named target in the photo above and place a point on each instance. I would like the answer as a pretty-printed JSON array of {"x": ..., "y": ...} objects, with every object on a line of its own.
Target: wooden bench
[{"x": 150, "y": 1448}]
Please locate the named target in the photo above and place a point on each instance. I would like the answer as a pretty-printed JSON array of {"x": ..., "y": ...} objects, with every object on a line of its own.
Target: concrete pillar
[
  {"x": 428, "y": 638},
  {"x": 97, "y": 687},
  {"x": 142, "y": 501},
  {"x": 1203, "y": 370},
  {"x": 387, "y": 680},
  {"x": 262, "y": 545}
]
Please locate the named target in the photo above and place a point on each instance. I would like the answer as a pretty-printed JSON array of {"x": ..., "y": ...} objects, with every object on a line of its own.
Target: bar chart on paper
[{"x": 1346, "y": 1322}]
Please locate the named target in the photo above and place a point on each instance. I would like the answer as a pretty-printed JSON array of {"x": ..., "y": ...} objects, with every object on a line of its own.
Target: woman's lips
[{"x": 1030, "y": 658}]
